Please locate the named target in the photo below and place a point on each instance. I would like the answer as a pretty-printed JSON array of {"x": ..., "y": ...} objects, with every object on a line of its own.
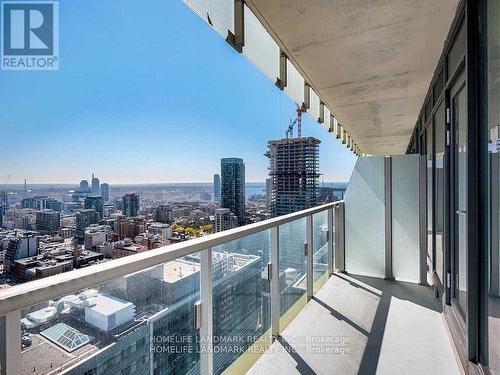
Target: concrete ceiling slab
[{"x": 371, "y": 61}]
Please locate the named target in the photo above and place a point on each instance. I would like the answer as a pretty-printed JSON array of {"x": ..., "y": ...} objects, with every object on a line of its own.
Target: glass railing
[
  {"x": 206, "y": 306},
  {"x": 320, "y": 249}
]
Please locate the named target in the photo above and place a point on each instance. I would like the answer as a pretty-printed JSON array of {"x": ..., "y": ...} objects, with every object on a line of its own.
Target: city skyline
[{"x": 137, "y": 120}]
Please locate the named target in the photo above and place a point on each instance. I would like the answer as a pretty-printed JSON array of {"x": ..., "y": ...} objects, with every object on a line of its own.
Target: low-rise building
[
  {"x": 224, "y": 219},
  {"x": 96, "y": 235}
]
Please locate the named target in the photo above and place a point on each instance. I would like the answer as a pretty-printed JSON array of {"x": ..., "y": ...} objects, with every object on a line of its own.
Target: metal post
[
  {"x": 309, "y": 256},
  {"x": 331, "y": 241},
  {"x": 388, "y": 217},
  {"x": 423, "y": 221},
  {"x": 10, "y": 343},
  {"x": 340, "y": 237},
  {"x": 206, "y": 327},
  {"x": 275, "y": 285}
]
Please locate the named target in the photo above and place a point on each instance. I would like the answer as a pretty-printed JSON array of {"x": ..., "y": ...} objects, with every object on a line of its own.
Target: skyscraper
[
  {"x": 96, "y": 204},
  {"x": 84, "y": 186},
  {"x": 3, "y": 205},
  {"x": 216, "y": 187},
  {"x": 130, "y": 205},
  {"x": 294, "y": 173},
  {"x": 105, "y": 192},
  {"x": 95, "y": 185},
  {"x": 233, "y": 186}
]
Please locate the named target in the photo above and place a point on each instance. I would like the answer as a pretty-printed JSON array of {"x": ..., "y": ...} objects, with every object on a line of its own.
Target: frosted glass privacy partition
[
  {"x": 365, "y": 218},
  {"x": 295, "y": 84},
  {"x": 405, "y": 217},
  {"x": 260, "y": 48},
  {"x": 221, "y": 13}
]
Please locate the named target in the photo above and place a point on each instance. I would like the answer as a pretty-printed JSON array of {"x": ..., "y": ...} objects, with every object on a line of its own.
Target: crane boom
[{"x": 298, "y": 121}]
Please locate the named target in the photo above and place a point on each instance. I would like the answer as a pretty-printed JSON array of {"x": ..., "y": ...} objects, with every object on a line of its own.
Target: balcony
[
  {"x": 271, "y": 297},
  {"x": 363, "y": 325}
]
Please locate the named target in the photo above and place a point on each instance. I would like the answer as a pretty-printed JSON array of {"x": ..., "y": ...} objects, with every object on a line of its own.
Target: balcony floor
[{"x": 392, "y": 328}]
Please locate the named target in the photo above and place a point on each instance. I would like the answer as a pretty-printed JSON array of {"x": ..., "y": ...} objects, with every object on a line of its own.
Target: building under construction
[{"x": 294, "y": 171}]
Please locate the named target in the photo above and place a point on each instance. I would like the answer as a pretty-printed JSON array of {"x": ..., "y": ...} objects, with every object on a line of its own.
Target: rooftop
[
  {"x": 107, "y": 305},
  {"x": 179, "y": 269}
]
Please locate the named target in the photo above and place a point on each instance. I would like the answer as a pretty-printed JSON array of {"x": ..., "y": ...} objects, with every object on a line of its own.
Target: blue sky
[{"x": 146, "y": 92}]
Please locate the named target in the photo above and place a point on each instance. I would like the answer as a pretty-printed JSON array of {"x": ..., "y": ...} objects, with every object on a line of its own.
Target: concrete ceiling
[{"x": 371, "y": 61}]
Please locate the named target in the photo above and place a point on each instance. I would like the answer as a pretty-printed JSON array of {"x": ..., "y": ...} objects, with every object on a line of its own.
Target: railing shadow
[
  {"x": 416, "y": 294},
  {"x": 302, "y": 367}
]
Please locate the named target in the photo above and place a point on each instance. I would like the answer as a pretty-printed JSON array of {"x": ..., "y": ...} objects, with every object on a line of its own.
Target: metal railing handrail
[{"x": 42, "y": 290}]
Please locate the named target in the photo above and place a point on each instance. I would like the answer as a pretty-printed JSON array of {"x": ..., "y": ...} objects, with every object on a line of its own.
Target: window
[{"x": 126, "y": 353}]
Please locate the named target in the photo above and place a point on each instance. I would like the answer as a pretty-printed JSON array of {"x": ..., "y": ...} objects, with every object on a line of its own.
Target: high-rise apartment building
[
  {"x": 22, "y": 246},
  {"x": 84, "y": 186},
  {"x": 95, "y": 185},
  {"x": 294, "y": 173},
  {"x": 216, "y": 188},
  {"x": 224, "y": 220},
  {"x": 233, "y": 186},
  {"x": 96, "y": 204},
  {"x": 84, "y": 219},
  {"x": 105, "y": 192},
  {"x": 269, "y": 192},
  {"x": 130, "y": 204},
  {"x": 162, "y": 214},
  {"x": 48, "y": 221}
]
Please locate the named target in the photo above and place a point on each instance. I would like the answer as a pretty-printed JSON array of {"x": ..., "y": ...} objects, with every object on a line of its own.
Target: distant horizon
[{"x": 28, "y": 184}]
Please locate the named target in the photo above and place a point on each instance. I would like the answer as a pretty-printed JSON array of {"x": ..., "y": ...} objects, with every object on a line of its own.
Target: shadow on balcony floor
[{"x": 363, "y": 325}]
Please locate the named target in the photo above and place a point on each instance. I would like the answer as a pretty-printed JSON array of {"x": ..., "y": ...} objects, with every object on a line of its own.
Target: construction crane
[{"x": 289, "y": 133}]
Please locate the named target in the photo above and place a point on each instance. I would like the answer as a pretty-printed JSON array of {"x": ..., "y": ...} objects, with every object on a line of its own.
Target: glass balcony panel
[
  {"x": 292, "y": 269},
  {"x": 326, "y": 123},
  {"x": 221, "y": 13},
  {"x": 295, "y": 84},
  {"x": 260, "y": 48},
  {"x": 314, "y": 105},
  {"x": 320, "y": 249},
  {"x": 131, "y": 324},
  {"x": 241, "y": 299}
]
